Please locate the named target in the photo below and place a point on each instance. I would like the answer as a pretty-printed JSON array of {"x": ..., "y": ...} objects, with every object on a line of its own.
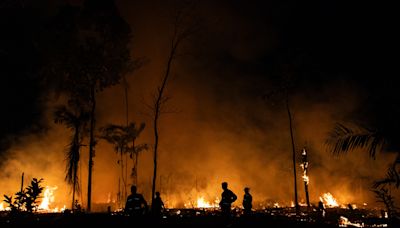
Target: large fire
[{"x": 48, "y": 199}]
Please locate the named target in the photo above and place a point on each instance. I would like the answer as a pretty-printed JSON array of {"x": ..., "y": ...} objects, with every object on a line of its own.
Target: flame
[
  {"x": 202, "y": 203},
  {"x": 48, "y": 198},
  {"x": 305, "y": 177},
  {"x": 329, "y": 200},
  {"x": 304, "y": 166},
  {"x": 2, "y": 208}
]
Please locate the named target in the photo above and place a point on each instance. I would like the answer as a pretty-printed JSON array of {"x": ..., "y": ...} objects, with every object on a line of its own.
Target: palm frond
[
  {"x": 64, "y": 116},
  {"x": 137, "y": 149},
  {"x": 343, "y": 139},
  {"x": 392, "y": 178},
  {"x": 72, "y": 159},
  {"x": 121, "y": 136}
]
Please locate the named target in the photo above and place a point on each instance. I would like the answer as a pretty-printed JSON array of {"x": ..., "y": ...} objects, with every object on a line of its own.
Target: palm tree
[
  {"x": 76, "y": 119},
  {"x": 121, "y": 136},
  {"x": 135, "y": 150},
  {"x": 344, "y": 139}
]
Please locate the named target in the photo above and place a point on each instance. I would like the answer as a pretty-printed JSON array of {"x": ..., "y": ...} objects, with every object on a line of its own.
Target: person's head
[
  {"x": 133, "y": 189},
  {"x": 224, "y": 185},
  {"x": 246, "y": 189},
  {"x": 157, "y": 194}
]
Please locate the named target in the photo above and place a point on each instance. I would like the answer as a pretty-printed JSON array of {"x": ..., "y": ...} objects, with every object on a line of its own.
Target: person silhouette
[
  {"x": 247, "y": 201},
  {"x": 157, "y": 206},
  {"x": 227, "y": 198},
  {"x": 135, "y": 205},
  {"x": 320, "y": 211}
]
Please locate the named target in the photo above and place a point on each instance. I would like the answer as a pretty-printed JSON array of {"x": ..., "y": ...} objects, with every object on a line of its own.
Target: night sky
[{"x": 337, "y": 54}]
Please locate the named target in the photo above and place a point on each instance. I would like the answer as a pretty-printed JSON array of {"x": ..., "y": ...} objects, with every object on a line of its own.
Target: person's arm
[
  {"x": 234, "y": 197},
  {"x": 145, "y": 203},
  {"x": 126, "y": 204}
]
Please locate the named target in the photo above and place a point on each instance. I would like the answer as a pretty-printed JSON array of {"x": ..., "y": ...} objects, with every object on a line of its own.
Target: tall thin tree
[
  {"x": 285, "y": 89},
  {"x": 181, "y": 31},
  {"x": 121, "y": 137}
]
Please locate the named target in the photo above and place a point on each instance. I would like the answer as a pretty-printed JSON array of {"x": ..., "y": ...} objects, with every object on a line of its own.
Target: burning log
[{"x": 304, "y": 165}]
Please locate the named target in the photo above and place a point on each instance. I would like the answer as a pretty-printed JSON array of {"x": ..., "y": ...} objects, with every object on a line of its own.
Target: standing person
[
  {"x": 320, "y": 211},
  {"x": 247, "y": 201},
  {"x": 158, "y": 206},
  {"x": 135, "y": 205},
  {"x": 227, "y": 198}
]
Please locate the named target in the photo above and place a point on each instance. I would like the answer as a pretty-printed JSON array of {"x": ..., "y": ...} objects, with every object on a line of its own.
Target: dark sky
[
  {"x": 337, "y": 52},
  {"x": 321, "y": 41}
]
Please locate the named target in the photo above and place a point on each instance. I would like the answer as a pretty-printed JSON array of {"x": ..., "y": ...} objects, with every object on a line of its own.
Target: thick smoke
[{"x": 220, "y": 128}]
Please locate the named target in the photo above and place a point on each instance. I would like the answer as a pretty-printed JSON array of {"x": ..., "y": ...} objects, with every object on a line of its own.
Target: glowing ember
[
  {"x": 302, "y": 204},
  {"x": 329, "y": 200},
  {"x": 344, "y": 222}
]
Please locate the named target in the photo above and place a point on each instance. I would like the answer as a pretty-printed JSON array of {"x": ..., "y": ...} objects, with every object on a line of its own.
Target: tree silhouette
[
  {"x": 343, "y": 139},
  {"x": 74, "y": 117},
  {"x": 121, "y": 137},
  {"x": 287, "y": 84},
  {"x": 181, "y": 31},
  {"x": 26, "y": 199},
  {"x": 91, "y": 54}
]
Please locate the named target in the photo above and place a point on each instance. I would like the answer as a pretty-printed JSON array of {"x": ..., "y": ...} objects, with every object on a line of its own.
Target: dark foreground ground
[{"x": 181, "y": 219}]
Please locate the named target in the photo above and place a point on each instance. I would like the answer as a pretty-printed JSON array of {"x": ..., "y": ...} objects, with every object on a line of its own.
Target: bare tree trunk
[
  {"x": 293, "y": 154},
  {"x": 180, "y": 33},
  {"x": 122, "y": 177},
  {"x": 305, "y": 176},
  {"x": 153, "y": 188},
  {"x": 157, "y": 110},
  {"x": 136, "y": 162},
  {"x": 22, "y": 182},
  {"x": 91, "y": 146},
  {"x": 75, "y": 173},
  {"x": 73, "y": 195},
  {"x": 127, "y": 124}
]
